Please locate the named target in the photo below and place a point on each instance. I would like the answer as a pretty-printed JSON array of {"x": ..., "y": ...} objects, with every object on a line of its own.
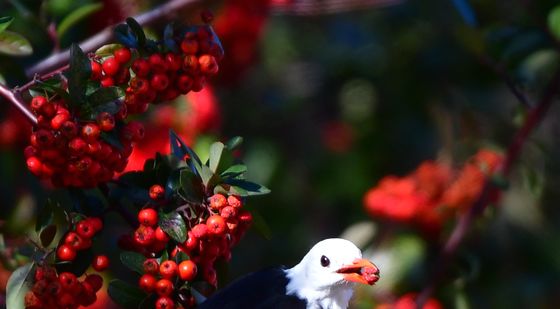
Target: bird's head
[{"x": 331, "y": 267}]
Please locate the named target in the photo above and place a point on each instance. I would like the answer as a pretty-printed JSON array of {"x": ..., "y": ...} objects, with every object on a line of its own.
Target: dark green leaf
[
  {"x": 14, "y": 44},
  {"x": 77, "y": 15},
  {"x": 111, "y": 108},
  {"x": 174, "y": 225},
  {"x": 191, "y": 186},
  {"x": 180, "y": 149},
  {"x": 5, "y": 22},
  {"x": 205, "y": 174},
  {"x": 216, "y": 150},
  {"x": 52, "y": 85},
  {"x": 133, "y": 261},
  {"x": 125, "y": 294},
  {"x": 18, "y": 285},
  {"x": 168, "y": 38},
  {"x": 554, "y": 21},
  {"x": 112, "y": 139},
  {"x": 234, "y": 171},
  {"x": 46, "y": 215},
  {"x": 105, "y": 95},
  {"x": 246, "y": 188},
  {"x": 124, "y": 35},
  {"x": 137, "y": 30},
  {"x": 181, "y": 256},
  {"x": 47, "y": 235},
  {"x": 78, "y": 74},
  {"x": 234, "y": 142}
]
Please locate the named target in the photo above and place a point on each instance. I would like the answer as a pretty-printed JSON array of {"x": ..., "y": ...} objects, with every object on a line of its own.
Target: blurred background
[{"x": 331, "y": 97}]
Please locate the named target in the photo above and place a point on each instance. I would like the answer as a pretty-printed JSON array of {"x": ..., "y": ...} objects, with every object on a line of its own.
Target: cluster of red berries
[
  {"x": 408, "y": 301},
  {"x": 164, "y": 76},
  {"x": 431, "y": 193},
  {"x": 213, "y": 234},
  {"x": 64, "y": 290},
  {"x": 81, "y": 239},
  {"x": 163, "y": 279},
  {"x": 71, "y": 152}
]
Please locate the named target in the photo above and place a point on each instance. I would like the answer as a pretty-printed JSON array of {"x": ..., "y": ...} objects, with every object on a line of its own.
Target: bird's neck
[{"x": 332, "y": 297}]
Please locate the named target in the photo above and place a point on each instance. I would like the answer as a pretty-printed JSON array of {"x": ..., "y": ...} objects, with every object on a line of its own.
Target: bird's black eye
[{"x": 325, "y": 261}]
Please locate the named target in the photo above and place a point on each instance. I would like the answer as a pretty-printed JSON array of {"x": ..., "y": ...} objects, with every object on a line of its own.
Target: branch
[
  {"x": 106, "y": 35},
  {"x": 15, "y": 100},
  {"x": 512, "y": 154}
]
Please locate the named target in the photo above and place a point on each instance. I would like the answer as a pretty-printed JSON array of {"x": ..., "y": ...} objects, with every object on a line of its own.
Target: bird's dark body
[{"x": 265, "y": 289}]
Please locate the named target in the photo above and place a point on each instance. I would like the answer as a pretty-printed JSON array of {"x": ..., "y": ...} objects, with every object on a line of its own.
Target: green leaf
[
  {"x": 78, "y": 74},
  {"x": 125, "y": 294},
  {"x": 107, "y": 50},
  {"x": 14, "y": 44},
  {"x": 105, "y": 95},
  {"x": 5, "y": 22},
  {"x": 234, "y": 142},
  {"x": 246, "y": 188},
  {"x": 47, "y": 235},
  {"x": 46, "y": 215},
  {"x": 191, "y": 186},
  {"x": 205, "y": 173},
  {"x": 112, "y": 139},
  {"x": 133, "y": 260},
  {"x": 17, "y": 286},
  {"x": 77, "y": 15},
  {"x": 174, "y": 225},
  {"x": 137, "y": 30},
  {"x": 554, "y": 21},
  {"x": 234, "y": 171},
  {"x": 216, "y": 150}
]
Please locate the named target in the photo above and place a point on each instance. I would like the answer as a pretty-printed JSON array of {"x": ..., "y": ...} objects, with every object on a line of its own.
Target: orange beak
[{"x": 361, "y": 271}]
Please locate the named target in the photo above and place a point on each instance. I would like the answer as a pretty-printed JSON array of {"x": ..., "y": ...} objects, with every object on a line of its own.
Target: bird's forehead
[{"x": 336, "y": 248}]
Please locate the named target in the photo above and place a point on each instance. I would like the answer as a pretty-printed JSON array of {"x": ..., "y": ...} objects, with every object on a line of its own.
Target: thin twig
[
  {"x": 512, "y": 154},
  {"x": 15, "y": 100},
  {"x": 106, "y": 35},
  {"x": 31, "y": 83}
]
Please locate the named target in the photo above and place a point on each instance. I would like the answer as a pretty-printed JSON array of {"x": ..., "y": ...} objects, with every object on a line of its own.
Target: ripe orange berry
[
  {"x": 164, "y": 287},
  {"x": 216, "y": 225},
  {"x": 217, "y": 201},
  {"x": 187, "y": 270},
  {"x": 165, "y": 303},
  {"x": 168, "y": 269},
  {"x": 148, "y": 217},
  {"x": 157, "y": 192},
  {"x": 161, "y": 235}
]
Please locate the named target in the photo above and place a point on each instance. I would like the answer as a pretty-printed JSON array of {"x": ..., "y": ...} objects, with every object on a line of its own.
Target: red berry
[
  {"x": 48, "y": 110},
  {"x": 58, "y": 120},
  {"x": 37, "y": 103},
  {"x": 100, "y": 262},
  {"x": 69, "y": 129},
  {"x": 144, "y": 235},
  {"x": 161, "y": 236},
  {"x": 74, "y": 240},
  {"x": 189, "y": 46},
  {"x": 187, "y": 270},
  {"x": 151, "y": 266},
  {"x": 96, "y": 223},
  {"x": 122, "y": 55},
  {"x": 228, "y": 212},
  {"x": 209, "y": 274},
  {"x": 245, "y": 217},
  {"x": 77, "y": 146},
  {"x": 206, "y": 16},
  {"x": 140, "y": 85},
  {"x": 65, "y": 253},
  {"x": 68, "y": 281},
  {"x": 105, "y": 121},
  {"x": 157, "y": 63},
  {"x": 85, "y": 229},
  {"x": 147, "y": 283},
  {"x": 217, "y": 201},
  {"x": 200, "y": 231},
  {"x": 90, "y": 132},
  {"x": 110, "y": 66},
  {"x": 173, "y": 62},
  {"x": 165, "y": 303},
  {"x": 208, "y": 65},
  {"x": 148, "y": 217},
  {"x": 164, "y": 287},
  {"x": 184, "y": 83},
  {"x": 234, "y": 201},
  {"x": 95, "y": 280},
  {"x": 157, "y": 192},
  {"x": 216, "y": 225},
  {"x": 190, "y": 64},
  {"x": 133, "y": 131},
  {"x": 192, "y": 242},
  {"x": 159, "y": 81},
  {"x": 107, "y": 81},
  {"x": 34, "y": 165},
  {"x": 141, "y": 67},
  {"x": 168, "y": 269},
  {"x": 96, "y": 70}
]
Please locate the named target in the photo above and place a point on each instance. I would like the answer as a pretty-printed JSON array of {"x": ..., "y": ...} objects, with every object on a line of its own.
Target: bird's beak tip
[{"x": 360, "y": 271}]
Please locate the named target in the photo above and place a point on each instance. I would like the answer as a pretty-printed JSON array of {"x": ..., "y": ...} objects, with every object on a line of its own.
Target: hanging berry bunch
[
  {"x": 191, "y": 218},
  {"x": 83, "y": 137}
]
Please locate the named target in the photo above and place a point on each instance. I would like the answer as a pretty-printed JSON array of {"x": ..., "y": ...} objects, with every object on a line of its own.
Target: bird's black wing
[{"x": 265, "y": 289}]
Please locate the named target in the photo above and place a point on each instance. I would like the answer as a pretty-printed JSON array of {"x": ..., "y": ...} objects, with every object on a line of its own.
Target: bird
[{"x": 324, "y": 279}]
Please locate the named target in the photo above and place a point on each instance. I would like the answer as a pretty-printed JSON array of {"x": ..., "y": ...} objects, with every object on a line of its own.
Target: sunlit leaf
[
  {"x": 14, "y": 44},
  {"x": 5, "y": 22},
  {"x": 76, "y": 16},
  {"x": 17, "y": 286},
  {"x": 216, "y": 150},
  {"x": 554, "y": 21}
]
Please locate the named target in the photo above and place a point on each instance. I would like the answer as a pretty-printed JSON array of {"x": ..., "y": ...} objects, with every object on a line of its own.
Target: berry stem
[
  {"x": 15, "y": 100},
  {"x": 534, "y": 117},
  {"x": 91, "y": 44},
  {"x": 37, "y": 78}
]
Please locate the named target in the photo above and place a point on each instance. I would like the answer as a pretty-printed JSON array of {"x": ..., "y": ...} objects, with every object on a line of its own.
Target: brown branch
[
  {"x": 164, "y": 11},
  {"x": 15, "y": 100},
  {"x": 512, "y": 154}
]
